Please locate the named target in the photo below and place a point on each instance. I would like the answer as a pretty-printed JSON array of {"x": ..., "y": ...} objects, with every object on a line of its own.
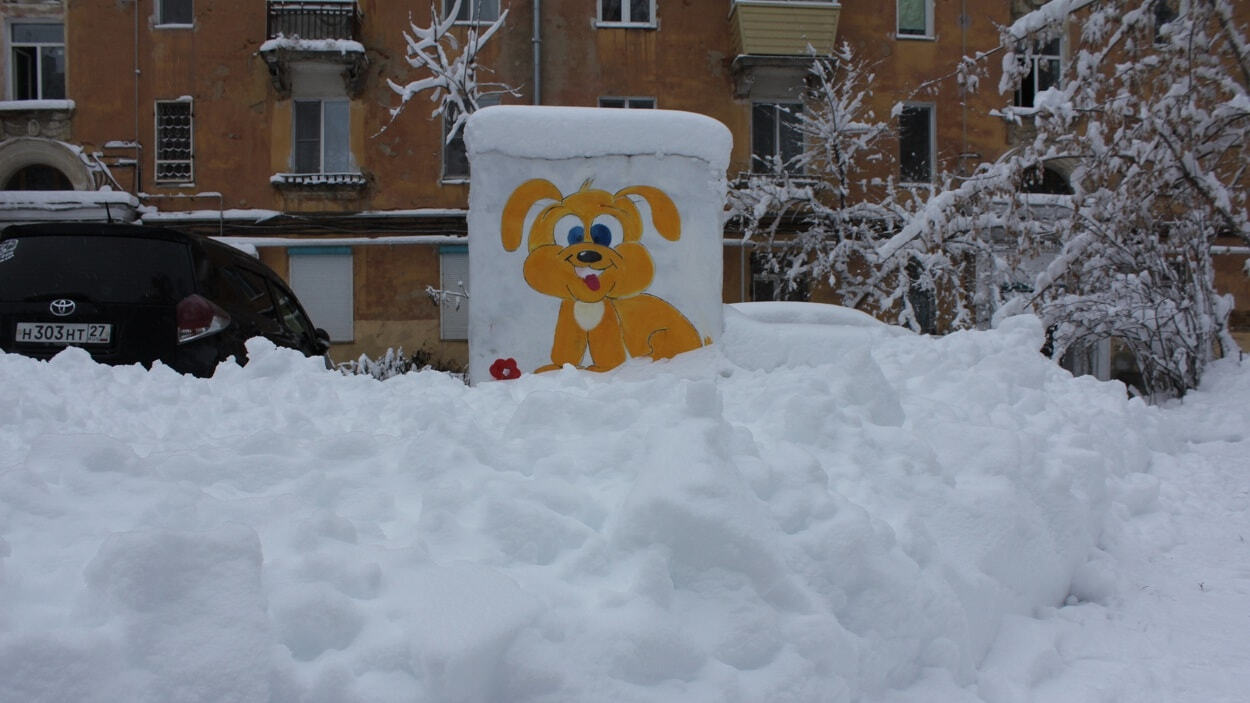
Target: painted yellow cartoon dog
[{"x": 584, "y": 249}]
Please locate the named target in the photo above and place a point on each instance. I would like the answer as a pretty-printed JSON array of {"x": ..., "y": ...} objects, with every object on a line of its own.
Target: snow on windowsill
[
  {"x": 25, "y": 105},
  {"x": 314, "y": 180}
]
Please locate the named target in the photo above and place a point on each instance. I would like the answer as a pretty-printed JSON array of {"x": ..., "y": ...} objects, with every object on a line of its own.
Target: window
[
  {"x": 475, "y": 11},
  {"x": 922, "y": 298},
  {"x": 289, "y": 314},
  {"x": 173, "y": 142},
  {"x": 1044, "y": 66},
  {"x": 174, "y": 12},
  {"x": 453, "y": 317},
  {"x": 915, "y": 144},
  {"x": 1165, "y": 12},
  {"x": 775, "y": 137},
  {"x": 628, "y": 103},
  {"x": 322, "y": 279},
  {"x": 767, "y": 283},
  {"x": 322, "y": 137},
  {"x": 247, "y": 289},
  {"x": 627, "y": 12},
  {"x": 455, "y": 156},
  {"x": 915, "y": 18},
  {"x": 38, "y": 61}
]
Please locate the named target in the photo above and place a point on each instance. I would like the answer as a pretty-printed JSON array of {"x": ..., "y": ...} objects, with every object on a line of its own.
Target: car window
[
  {"x": 291, "y": 314},
  {"x": 104, "y": 269},
  {"x": 251, "y": 289}
]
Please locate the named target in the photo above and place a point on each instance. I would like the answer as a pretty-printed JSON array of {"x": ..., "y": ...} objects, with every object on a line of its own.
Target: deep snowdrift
[{"x": 820, "y": 508}]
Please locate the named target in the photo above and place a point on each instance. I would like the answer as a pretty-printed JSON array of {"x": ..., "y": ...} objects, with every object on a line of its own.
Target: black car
[{"x": 133, "y": 294}]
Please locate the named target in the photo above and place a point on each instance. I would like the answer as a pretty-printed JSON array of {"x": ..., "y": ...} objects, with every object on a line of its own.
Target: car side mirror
[{"x": 324, "y": 338}]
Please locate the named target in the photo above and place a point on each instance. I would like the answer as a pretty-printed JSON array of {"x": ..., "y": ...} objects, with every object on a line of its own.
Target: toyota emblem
[{"x": 62, "y": 307}]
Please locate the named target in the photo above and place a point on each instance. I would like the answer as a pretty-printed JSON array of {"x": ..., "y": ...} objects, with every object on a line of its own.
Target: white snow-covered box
[{"x": 594, "y": 236}]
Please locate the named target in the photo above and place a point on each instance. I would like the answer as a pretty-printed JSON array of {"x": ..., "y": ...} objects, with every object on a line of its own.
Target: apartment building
[{"x": 270, "y": 122}]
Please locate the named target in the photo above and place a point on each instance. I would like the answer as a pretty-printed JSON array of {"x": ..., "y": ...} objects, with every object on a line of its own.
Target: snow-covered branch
[{"x": 450, "y": 67}]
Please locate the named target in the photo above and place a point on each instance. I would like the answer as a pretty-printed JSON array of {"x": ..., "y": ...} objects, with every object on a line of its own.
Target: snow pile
[
  {"x": 820, "y": 508},
  {"x": 550, "y": 132}
]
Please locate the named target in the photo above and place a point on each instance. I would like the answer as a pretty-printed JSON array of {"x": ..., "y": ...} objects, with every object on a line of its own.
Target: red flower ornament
[{"x": 504, "y": 370}]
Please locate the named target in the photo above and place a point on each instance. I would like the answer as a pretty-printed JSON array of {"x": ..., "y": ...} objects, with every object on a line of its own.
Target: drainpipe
[
  {"x": 537, "y": 41},
  {"x": 139, "y": 155}
]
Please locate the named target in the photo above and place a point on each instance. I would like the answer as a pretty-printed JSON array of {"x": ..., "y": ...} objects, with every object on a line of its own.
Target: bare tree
[{"x": 450, "y": 68}]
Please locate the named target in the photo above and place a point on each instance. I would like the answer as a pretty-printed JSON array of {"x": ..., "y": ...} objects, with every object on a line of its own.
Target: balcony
[
  {"x": 784, "y": 27},
  {"x": 306, "y": 31},
  {"x": 774, "y": 41}
]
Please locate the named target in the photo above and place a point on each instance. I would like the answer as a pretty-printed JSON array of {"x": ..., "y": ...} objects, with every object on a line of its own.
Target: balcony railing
[
  {"x": 305, "y": 19},
  {"x": 318, "y": 31}
]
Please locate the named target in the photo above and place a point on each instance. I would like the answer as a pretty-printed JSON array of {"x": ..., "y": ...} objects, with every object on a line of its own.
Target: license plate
[{"x": 63, "y": 333}]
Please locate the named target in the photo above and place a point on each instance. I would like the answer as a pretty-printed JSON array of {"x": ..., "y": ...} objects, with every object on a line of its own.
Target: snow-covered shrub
[{"x": 395, "y": 363}]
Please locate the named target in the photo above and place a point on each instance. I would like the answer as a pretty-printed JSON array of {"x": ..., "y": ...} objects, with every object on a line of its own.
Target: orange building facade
[{"x": 270, "y": 123}]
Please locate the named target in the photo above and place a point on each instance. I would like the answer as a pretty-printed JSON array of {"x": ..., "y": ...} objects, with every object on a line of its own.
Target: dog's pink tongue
[{"x": 592, "y": 281}]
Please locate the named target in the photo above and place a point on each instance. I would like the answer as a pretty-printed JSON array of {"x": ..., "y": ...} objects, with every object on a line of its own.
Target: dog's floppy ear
[
  {"x": 663, "y": 212},
  {"x": 519, "y": 203}
]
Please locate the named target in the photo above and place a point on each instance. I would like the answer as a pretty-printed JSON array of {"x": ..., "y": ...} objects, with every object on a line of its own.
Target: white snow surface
[
  {"x": 819, "y": 508},
  {"x": 551, "y": 132}
]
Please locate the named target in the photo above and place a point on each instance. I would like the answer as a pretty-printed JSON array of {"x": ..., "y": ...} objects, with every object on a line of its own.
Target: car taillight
[{"x": 199, "y": 317}]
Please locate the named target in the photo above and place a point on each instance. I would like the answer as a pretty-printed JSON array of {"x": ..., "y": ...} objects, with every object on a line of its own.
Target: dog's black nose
[{"x": 588, "y": 257}]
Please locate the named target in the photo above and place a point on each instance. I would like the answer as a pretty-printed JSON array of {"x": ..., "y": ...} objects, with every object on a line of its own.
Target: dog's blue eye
[
  {"x": 600, "y": 234},
  {"x": 607, "y": 231},
  {"x": 577, "y": 234}
]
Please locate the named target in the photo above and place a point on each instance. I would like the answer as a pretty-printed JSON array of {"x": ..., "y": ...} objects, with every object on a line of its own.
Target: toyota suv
[{"x": 133, "y": 294}]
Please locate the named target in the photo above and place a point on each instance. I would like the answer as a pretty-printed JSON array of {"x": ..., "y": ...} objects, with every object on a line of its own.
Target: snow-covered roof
[
  {"x": 54, "y": 199},
  {"x": 533, "y": 131},
  {"x": 66, "y": 205}
]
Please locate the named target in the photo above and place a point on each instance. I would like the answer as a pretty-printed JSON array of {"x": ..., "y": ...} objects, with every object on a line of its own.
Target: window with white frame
[
  {"x": 628, "y": 103},
  {"x": 915, "y": 144},
  {"x": 453, "y": 312},
  {"x": 915, "y": 18},
  {"x": 37, "y": 53},
  {"x": 474, "y": 11},
  {"x": 455, "y": 156},
  {"x": 321, "y": 278},
  {"x": 174, "y": 141},
  {"x": 1044, "y": 67},
  {"x": 322, "y": 136},
  {"x": 639, "y": 13},
  {"x": 175, "y": 12},
  {"x": 776, "y": 139}
]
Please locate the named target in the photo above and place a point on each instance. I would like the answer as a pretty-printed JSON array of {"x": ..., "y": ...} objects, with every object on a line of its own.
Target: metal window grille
[{"x": 174, "y": 142}]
